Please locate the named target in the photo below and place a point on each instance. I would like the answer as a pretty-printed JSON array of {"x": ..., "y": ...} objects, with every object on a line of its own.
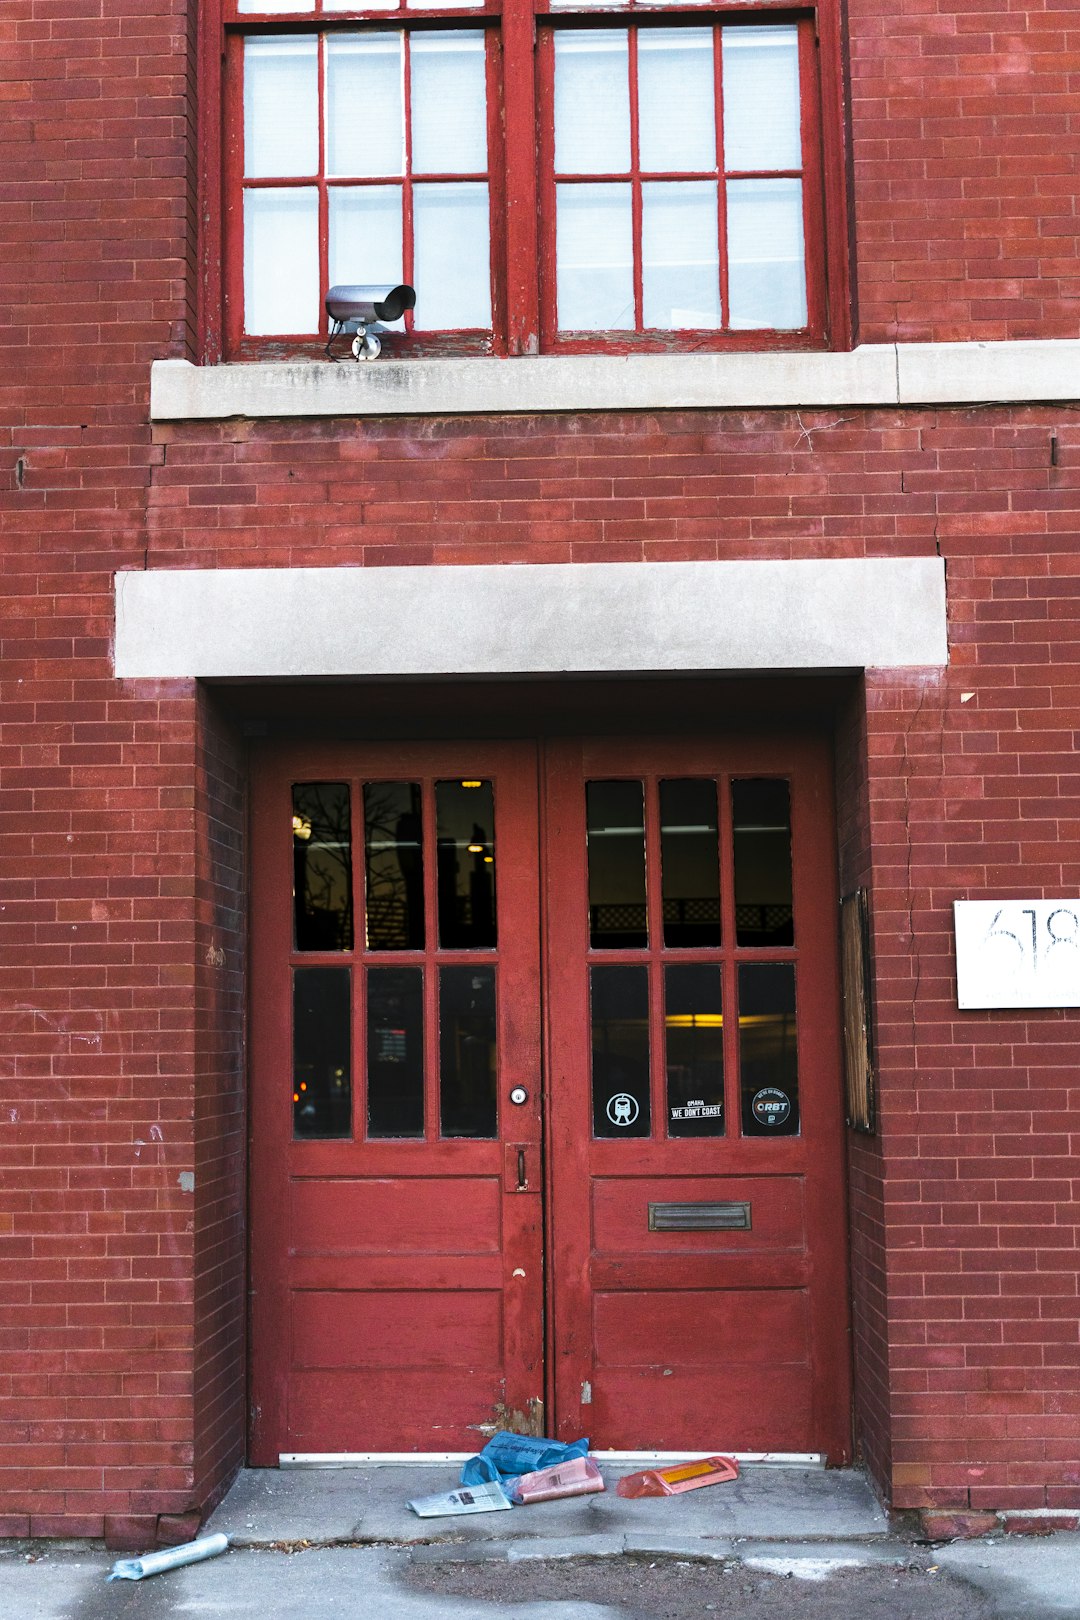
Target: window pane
[
  {"x": 365, "y": 117},
  {"x": 393, "y": 834},
  {"x": 395, "y": 1052},
  {"x": 281, "y": 260},
  {"x": 322, "y": 867},
  {"x": 265, "y": 7},
  {"x": 761, "y": 99},
  {"x": 694, "y": 1040},
  {"x": 451, "y": 231},
  {"x": 365, "y": 238},
  {"x": 766, "y": 273},
  {"x": 367, "y": 5},
  {"x": 690, "y": 863},
  {"x": 615, "y": 829},
  {"x": 449, "y": 103},
  {"x": 281, "y": 105},
  {"x": 676, "y": 99},
  {"x": 680, "y": 251},
  {"x": 468, "y": 1105},
  {"x": 768, "y": 1061},
  {"x": 595, "y": 258},
  {"x": 761, "y": 813},
  {"x": 620, "y": 1051},
  {"x": 465, "y": 835},
  {"x": 322, "y": 1090},
  {"x": 592, "y": 102}
]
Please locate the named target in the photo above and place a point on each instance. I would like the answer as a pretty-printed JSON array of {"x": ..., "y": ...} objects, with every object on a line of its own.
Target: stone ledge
[{"x": 883, "y": 374}]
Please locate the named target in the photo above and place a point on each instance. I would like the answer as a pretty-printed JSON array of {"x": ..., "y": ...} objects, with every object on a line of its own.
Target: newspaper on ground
[
  {"x": 485, "y": 1498},
  {"x": 156, "y": 1563},
  {"x": 507, "y": 1455}
]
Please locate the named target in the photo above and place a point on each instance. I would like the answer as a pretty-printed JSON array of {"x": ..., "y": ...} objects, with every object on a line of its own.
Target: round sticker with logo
[
  {"x": 622, "y": 1109},
  {"x": 771, "y": 1106}
]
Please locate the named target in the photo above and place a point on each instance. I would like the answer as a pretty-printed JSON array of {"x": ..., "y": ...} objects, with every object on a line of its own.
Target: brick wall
[
  {"x": 121, "y": 1319},
  {"x": 964, "y": 127}
]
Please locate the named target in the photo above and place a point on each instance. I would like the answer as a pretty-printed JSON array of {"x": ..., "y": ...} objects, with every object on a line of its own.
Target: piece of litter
[
  {"x": 156, "y": 1563},
  {"x": 578, "y": 1477},
  {"x": 488, "y": 1497},
  {"x": 507, "y": 1455},
  {"x": 683, "y": 1477}
]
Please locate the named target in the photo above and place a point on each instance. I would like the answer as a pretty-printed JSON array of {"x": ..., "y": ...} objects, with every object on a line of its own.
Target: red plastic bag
[{"x": 682, "y": 1477}]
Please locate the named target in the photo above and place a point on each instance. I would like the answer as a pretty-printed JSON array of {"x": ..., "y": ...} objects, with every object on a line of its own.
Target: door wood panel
[
  {"x": 694, "y": 1340},
  {"x": 397, "y": 1295}
]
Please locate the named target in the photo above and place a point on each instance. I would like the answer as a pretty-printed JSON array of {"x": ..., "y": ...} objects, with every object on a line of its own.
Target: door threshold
[{"x": 379, "y": 1459}]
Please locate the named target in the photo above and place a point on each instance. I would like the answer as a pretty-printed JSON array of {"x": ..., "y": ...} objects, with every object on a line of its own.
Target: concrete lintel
[
  {"x": 881, "y": 374},
  {"x": 582, "y": 618}
]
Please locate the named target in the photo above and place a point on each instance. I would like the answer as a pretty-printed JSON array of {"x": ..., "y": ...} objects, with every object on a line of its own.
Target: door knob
[{"x": 519, "y": 1095}]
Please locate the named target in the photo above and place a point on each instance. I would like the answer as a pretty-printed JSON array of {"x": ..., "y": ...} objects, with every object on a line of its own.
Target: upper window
[{"x": 562, "y": 178}]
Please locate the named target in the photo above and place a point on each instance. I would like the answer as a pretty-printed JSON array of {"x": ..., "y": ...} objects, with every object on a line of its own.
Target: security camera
[{"x": 357, "y": 309}]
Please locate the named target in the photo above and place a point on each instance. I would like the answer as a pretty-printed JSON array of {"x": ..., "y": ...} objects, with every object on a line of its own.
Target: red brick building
[{"x": 429, "y": 784}]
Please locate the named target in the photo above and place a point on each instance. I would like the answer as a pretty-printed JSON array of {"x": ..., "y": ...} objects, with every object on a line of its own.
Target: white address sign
[{"x": 1017, "y": 953}]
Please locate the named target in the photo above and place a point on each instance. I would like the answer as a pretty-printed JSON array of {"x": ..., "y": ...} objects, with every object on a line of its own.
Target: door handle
[{"x": 517, "y": 1167}]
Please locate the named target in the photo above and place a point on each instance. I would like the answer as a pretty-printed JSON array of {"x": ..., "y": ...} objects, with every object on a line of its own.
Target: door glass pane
[
  {"x": 365, "y": 106},
  {"x": 322, "y": 1089},
  {"x": 281, "y": 105},
  {"x": 281, "y": 261},
  {"x": 761, "y": 813},
  {"x": 393, "y": 835},
  {"x": 680, "y": 254},
  {"x": 620, "y": 1051},
  {"x": 694, "y": 1042},
  {"x": 768, "y": 1063},
  {"x": 365, "y": 238},
  {"x": 395, "y": 1051},
  {"x": 676, "y": 100},
  {"x": 766, "y": 261},
  {"x": 615, "y": 825},
  {"x": 761, "y": 99},
  {"x": 592, "y": 101},
  {"x": 322, "y": 867},
  {"x": 467, "y": 1101},
  {"x": 465, "y": 835},
  {"x": 451, "y": 235},
  {"x": 594, "y": 252},
  {"x": 449, "y": 103},
  {"x": 690, "y": 863}
]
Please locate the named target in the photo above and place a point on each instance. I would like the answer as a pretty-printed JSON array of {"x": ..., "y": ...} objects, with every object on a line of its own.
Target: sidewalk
[
  {"x": 346, "y": 1506},
  {"x": 340, "y": 1544}
]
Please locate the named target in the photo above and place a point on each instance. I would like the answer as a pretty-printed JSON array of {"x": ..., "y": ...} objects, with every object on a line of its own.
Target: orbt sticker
[{"x": 771, "y": 1106}]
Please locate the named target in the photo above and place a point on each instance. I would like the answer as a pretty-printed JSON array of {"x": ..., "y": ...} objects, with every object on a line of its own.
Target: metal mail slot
[{"x": 728, "y": 1217}]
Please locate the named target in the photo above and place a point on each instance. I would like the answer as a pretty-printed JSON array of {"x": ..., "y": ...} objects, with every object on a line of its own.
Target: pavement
[{"x": 777, "y": 1544}]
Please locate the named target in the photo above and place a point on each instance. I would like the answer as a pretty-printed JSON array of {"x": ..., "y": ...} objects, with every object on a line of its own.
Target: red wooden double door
[{"x": 546, "y": 1101}]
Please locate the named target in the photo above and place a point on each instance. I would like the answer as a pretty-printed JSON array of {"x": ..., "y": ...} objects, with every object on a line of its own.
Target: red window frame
[{"x": 521, "y": 187}]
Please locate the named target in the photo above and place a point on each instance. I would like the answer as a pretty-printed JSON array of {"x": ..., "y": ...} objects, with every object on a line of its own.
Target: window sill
[{"x": 882, "y": 374}]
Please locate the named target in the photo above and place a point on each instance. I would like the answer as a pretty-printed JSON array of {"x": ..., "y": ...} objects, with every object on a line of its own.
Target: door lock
[{"x": 519, "y": 1095}]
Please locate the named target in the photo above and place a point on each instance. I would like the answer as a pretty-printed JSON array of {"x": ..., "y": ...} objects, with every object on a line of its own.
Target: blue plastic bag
[{"x": 507, "y": 1455}]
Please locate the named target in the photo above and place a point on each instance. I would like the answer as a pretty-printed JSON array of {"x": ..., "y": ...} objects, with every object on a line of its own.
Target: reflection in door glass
[
  {"x": 467, "y": 1071},
  {"x": 690, "y": 863},
  {"x": 761, "y": 812},
  {"x": 465, "y": 836},
  {"x": 620, "y": 1051},
  {"x": 694, "y": 1043},
  {"x": 615, "y": 821},
  {"x": 322, "y": 1091},
  {"x": 768, "y": 1062},
  {"x": 322, "y": 867},
  {"x": 395, "y": 1051},
  {"x": 395, "y": 866}
]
